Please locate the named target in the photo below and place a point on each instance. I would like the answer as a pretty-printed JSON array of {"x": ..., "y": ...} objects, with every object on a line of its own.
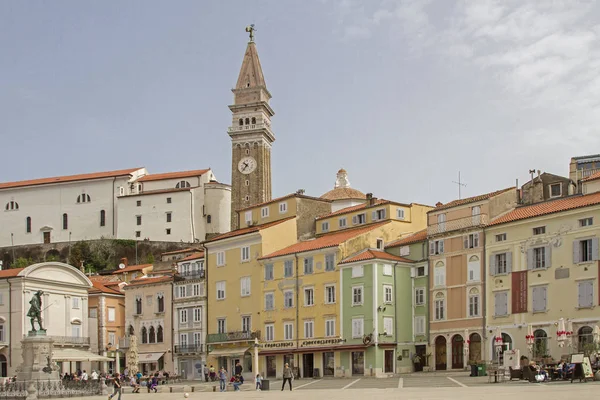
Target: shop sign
[
  {"x": 277, "y": 345},
  {"x": 321, "y": 342}
]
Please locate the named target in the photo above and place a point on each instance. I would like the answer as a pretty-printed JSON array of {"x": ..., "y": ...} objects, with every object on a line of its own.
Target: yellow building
[{"x": 543, "y": 267}]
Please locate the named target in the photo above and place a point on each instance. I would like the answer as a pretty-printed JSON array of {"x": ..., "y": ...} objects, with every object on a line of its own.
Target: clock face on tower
[{"x": 247, "y": 165}]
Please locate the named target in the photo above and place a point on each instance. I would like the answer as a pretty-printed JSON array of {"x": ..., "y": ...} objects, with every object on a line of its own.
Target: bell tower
[{"x": 251, "y": 135}]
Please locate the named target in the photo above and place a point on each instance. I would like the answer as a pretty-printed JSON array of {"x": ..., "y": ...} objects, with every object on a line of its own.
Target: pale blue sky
[{"x": 402, "y": 94}]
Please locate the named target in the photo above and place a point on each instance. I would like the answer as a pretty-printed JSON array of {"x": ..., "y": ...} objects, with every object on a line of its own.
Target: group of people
[
  {"x": 136, "y": 382},
  {"x": 237, "y": 379},
  {"x": 563, "y": 371},
  {"x": 80, "y": 376}
]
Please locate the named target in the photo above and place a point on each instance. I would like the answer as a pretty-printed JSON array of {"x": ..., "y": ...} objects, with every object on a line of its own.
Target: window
[
  {"x": 501, "y": 237},
  {"x": 28, "y": 225},
  {"x": 76, "y": 330},
  {"x": 329, "y": 327},
  {"x": 269, "y": 333},
  {"x": 387, "y": 294},
  {"x": 500, "y": 304},
  {"x": 288, "y": 331},
  {"x": 248, "y": 217},
  {"x": 75, "y": 301},
  {"x": 264, "y": 212},
  {"x": 183, "y": 316},
  {"x": 399, "y": 213},
  {"x": 555, "y": 190},
  {"x": 288, "y": 299},
  {"x": 308, "y": 265},
  {"x": 268, "y": 272},
  {"x": 357, "y": 271},
  {"x": 436, "y": 247},
  {"x": 182, "y": 185},
  {"x": 357, "y": 297},
  {"x": 168, "y": 200},
  {"x": 330, "y": 262},
  {"x": 499, "y": 264},
  {"x": 169, "y": 217},
  {"x": 539, "y": 298},
  {"x": 112, "y": 338},
  {"x": 247, "y": 182},
  {"x": 160, "y": 303},
  {"x": 474, "y": 269},
  {"x": 144, "y": 335},
  {"x": 421, "y": 271},
  {"x": 84, "y": 198},
  {"x": 138, "y": 203},
  {"x": 183, "y": 339},
  {"x": 221, "y": 325},
  {"x": 288, "y": 269},
  {"x": 474, "y": 302},
  {"x": 539, "y": 257},
  {"x": 12, "y": 206},
  {"x": 92, "y": 314},
  {"x": 540, "y": 230},
  {"x": 111, "y": 314},
  {"x": 439, "y": 307},
  {"x": 380, "y": 245},
  {"x": 329, "y": 294},
  {"x": 282, "y": 207},
  {"x": 441, "y": 222},
  {"x": 388, "y": 326},
  {"x": 182, "y": 291},
  {"x": 245, "y": 253},
  {"x": 138, "y": 234},
  {"x": 138, "y": 219},
  {"x": 196, "y": 289},
  {"x": 342, "y": 222},
  {"x": 121, "y": 191},
  {"x": 197, "y": 314},
  {"x": 220, "y": 290},
  {"x": 357, "y": 328},
  {"x": 309, "y": 297},
  {"x": 387, "y": 270},
  {"x": 208, "y": 219},
  {"x": 246, "y": 323},
  {"x": 359, "y": 219},
  {"x": 102, "y": 218},
  {"x": 471, "y": 241},
  {"x": 476, "y": 215},
  {"x": 65, "y": 221},
  {"x": 309, "y": 327},
  {"x": 586, "y": 294},
  {"x": 245, "y": 286},
  {"x": 220, "y": 258},
  {"x": 168, "y": 231},
  {"x": 419, "y": 296},
  {"x": 420, "y": 325},
  {"x": 152, "y": 335},
  {"x": 404, "y": 251},
  {"x": 439, "y": 274},
  {"x": 378, "y": 214},
  {"x": 586, "y": 222},
  {"x": 585, "y": 250},
  {"x": 197, "y": 339},
  {"x": 269, "y": 301},
  {"x": 138, "y": 306},
  {"x": 325, "y": 226}
]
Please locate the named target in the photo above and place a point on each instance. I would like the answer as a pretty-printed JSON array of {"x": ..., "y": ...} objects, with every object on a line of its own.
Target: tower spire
[{"x": 251, "y": 74}]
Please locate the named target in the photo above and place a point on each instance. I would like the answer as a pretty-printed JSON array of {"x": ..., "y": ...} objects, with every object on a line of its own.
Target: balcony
[
  {"x": 232, "y": 336},
  {"x": 198, "y": 274},
  {"x": 124, "y": 343},
  {"x": 189, "y": 348},
  {"x": 457, "y": 224},
  {"x": 242, "y": 128}
]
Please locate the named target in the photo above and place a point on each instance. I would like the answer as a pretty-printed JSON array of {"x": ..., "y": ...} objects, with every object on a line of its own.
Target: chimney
[
  {"x": 124, "y": 261},
  {"x": 538, "y": 173},
  {"x": 370, "y": 199},
  {"x": 439, "y": 204}
]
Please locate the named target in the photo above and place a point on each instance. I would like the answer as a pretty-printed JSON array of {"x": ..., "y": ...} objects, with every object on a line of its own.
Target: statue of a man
[{"x": 35, "y": 311}]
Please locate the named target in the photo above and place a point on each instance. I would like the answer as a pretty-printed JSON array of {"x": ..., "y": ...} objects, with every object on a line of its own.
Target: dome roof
[{"x": 341, "y": 193}]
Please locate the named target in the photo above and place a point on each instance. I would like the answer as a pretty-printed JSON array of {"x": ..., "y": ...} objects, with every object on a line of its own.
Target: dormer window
[
  {"x": 555, "y": 190},
  {"x": 182, "y": 185},
  {"x": 83, "y": 198},
  {"x": 12, "y": 206}
]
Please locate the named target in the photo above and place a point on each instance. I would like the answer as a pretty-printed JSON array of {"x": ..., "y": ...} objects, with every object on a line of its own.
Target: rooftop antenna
[{"x": 460, "y": 185}]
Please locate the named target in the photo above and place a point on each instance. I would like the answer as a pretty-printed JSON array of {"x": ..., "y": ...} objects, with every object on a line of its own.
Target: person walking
[
  {"x": 116, "y": 386},
  {"x": 287, "y": 376},
  {"x": 222, "y": 379},
  {"x": 258, "y": 382}
]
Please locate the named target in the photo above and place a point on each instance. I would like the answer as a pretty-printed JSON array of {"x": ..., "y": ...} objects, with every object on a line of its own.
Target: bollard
[
  {"x": 214, "y": 388},
  {"x": 193, "y": 389},
  {"x": 170, "y": 389}
]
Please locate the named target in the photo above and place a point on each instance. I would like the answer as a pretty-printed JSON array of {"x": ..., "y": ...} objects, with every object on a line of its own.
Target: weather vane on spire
[{"x": 250, "y": 29}]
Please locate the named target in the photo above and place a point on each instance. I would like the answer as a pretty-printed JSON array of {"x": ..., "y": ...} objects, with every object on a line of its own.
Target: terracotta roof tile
[
  {"x": 100, "y": 288},
  {"x": 173, "y": 175},
  {"x": 250, "y": 229},
  {"x": 344, "y": 193},
  {"x": 9, "y": 273},
  {"x": 131, "y": 268},
  {"x": 69, "y": 178},
  {"x": 329, "y": 240},
  {"x": 150, "y": 280},
  {"x": 181, "y": 251},
  {"x": 592, "y": 177},
  {"x": 104, "y": 279},
  {"x": 357, "y": 207},
  {"x": 370, "y": 254},
  {"x": 288, "y": 196},
  {"x": 194, "y": 256},
  {"x": 414, "y": 238},
  {"x": 548, "y": 207},
  {"x": 468, "y": 200}
]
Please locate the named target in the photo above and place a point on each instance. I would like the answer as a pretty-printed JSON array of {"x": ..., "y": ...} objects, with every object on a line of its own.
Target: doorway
[
  {"x": 234, "y": 362},
  {"x": 388, "y": 365},
  {"x": 475, "y": 347},
  {"x": 328, "y": 363},
  {"x": 3, "y": 366},
  {"x": 308, "y": 365},
  {"x": 440, "y": 353},
  {"x": 458, "y": 352},
  {"x": 46, "y": 237},
  {"x": 271, "y": 367},
  {"x": 358, "y": 363}
]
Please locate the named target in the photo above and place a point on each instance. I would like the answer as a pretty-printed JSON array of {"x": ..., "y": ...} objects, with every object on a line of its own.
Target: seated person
[
  {"x": 133, "y": 383},
  {"x": 540, "y": 374},
  {"x": 560, "y": 369},
  {"x": 238, "y": 380}
]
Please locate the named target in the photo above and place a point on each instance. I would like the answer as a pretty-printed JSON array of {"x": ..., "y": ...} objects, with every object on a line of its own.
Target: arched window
[
  {"x": 102, "y": 218},
  {"x": 540, "y": 344},
  {"x": 84, "y": 198},
  {"x": 474, "y": 302},
  {"x": 253, "y": 121},
  {"x": 439, "y": 306},
  {"x": 585, "y": 338},
  {"x": 160, "y": 300},
  {"x": 65, "y": 221},
  {"x": 28, "y": 225},
  {"x": 144, "y": 335},
  {"x": 241, "y": 122},
  {"x": 247, "y": 121},
  {"x": 182, "y": 185},
  {"x": 152, "y": 335},
  {"x": 159, "y": 334},
  {"x": 12, "y": 206},
  {"x": 138, "y": 306},
  {"x": 131, "y": 330}
]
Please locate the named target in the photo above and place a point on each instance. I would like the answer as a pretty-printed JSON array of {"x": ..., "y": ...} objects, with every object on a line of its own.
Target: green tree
[
  {"x": 150, "y": 259},
  {"x": 22, "y": 262}
]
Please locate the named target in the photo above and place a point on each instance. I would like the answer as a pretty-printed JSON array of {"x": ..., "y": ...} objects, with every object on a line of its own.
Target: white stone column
[
  {"x": 84, "y": 318},
  {"x": 449, "y": 353},
  {"x": 67, "y": 315},
  {"x": 255, "y": 358}
]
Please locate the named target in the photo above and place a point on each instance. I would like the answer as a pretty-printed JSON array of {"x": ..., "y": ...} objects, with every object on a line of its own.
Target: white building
[
  {"x": 64, "y": 314},
  {"x": 189, "y": 312},
  {"x": 110, "y": 204}
]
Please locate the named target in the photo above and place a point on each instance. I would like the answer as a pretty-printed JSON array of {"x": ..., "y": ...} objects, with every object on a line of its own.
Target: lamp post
[
  {"x": 12, "y": 243},
  {"x": 256, "y": 356}
]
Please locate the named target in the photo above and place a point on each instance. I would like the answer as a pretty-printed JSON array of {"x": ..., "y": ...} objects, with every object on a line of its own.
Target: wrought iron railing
[
  {"x": 193, "y": 274},
  {"x": 189, "y": 348},
  {"x": 53, "y": 389},
  {"x": 232, "y": 336},
  {"x": 457, "y": 224}
]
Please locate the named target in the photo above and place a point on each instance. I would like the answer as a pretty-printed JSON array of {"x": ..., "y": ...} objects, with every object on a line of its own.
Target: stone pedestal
[{"x": 37, "y": 363}]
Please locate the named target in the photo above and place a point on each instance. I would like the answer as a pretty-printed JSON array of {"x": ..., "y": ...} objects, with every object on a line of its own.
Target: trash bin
[
  {"x": 474, "y": 370},
  {"x": 316, "y": 373},
  {"x": 265, "y": 384},
  {"x": 481, "y": 370}
]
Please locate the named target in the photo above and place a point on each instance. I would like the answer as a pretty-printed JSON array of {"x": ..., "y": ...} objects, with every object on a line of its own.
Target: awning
[
  {"x": 77, "y": 355},
  {"x": 149, "y": 357},
  {"x": 230, "y": 351}
]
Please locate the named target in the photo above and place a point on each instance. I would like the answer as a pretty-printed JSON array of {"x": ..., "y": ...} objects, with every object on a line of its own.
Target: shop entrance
[
  {"x": 271, "y": 367},
  {"x": 421, "y": 359},
  {"x": 358, "y": 363},
  {"x": 457, "y": 352},
  {"x": 440, "y": 353},
  {"x": 328, "y": 363},
  {"x": 388, "y": 366},
  {"x": 308, "y": 365}
]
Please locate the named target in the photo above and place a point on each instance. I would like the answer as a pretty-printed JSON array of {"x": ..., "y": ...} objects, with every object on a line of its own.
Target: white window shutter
[
  {"x": 509, "y": 262},
  {"x": 530, "y": 259},
  {"x": 548, "y": 253},
  {"x": 497, "y": 304},
  {"x": 595, "y": 250},
  {"x": 466, "y": 241},
  {"x": 535, "y": 298},
  {"x": 590, "y": 293},
  {"x": 505, "y": 303},
  {"x": 432, "y": 247},
  {"x": 441, "y": 246},
  {"x": 476, "y": 240},
  {"x": 576, "y": 256},
  {"x": 354, "y": 220},
  {"x": 383, "y": 213},
  {"x": 543, "y": 298},
  {"x": 492, "y": 264},
  {"x": 374, "y": 215}
]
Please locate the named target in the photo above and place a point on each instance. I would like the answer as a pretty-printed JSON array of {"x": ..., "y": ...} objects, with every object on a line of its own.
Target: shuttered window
[
  {"x": 586, "y": 294},
  {"x": 539, "y": 299},
  {"x": 501, "y": 304}
]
